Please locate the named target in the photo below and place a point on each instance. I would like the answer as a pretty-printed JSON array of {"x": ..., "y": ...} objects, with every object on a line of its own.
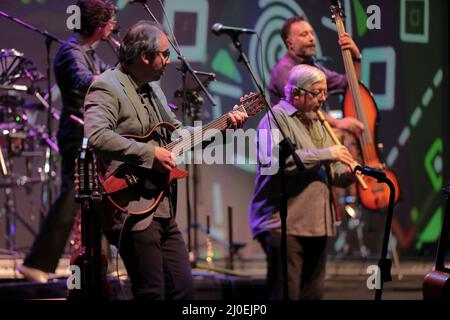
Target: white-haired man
[{"x": 310, "y": 219}]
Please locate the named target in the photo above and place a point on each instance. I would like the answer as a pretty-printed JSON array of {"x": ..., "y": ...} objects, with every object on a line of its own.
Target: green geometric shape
[
  {"x": 415, "y": 214},
  {"x": 436, "y": 178},
  {"x": 412, "y": 14},
  {"x": 432, "y": 231},
  {"x": 224, "y": 64},
  {"x": 121, "y": 4},
  {"x": 361, "y": 18}
]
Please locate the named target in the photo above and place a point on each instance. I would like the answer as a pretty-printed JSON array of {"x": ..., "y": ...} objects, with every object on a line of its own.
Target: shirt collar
[
  {"x": 299, "y": 60},
  {"x": 86, "y": 47},
  {"x": 289, "y": 108}
]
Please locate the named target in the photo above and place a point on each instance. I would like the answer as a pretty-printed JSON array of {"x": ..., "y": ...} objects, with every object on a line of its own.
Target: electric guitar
[{"x": 140, "y": 190}]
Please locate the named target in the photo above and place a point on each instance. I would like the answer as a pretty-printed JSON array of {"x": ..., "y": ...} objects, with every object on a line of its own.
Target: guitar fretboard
[{"x": 199, "y": 134}]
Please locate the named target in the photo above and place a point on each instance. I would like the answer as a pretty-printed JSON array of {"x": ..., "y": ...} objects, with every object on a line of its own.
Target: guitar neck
[{"x": 199, "y": 134}]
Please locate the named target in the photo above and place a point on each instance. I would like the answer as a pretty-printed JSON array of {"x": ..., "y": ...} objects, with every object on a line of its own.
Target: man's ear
[
  {"x": 144, "y": 57},
  {"x": 289, "y": 43}
]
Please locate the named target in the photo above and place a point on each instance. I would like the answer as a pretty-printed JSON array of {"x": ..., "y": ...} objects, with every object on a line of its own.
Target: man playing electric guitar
[{"x": 127, "y": 101}]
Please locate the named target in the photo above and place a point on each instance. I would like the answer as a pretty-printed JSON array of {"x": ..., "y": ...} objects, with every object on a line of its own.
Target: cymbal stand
[{"x": 10, "y": 211}]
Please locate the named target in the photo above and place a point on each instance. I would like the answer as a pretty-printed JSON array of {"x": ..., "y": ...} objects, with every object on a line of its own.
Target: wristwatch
[{"x": 357, "y": 59}]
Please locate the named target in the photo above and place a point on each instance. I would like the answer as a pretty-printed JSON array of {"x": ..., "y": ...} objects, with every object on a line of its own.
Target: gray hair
[
  {"x": 144, "y": 36},
  {"x": 302, "y": 76}
]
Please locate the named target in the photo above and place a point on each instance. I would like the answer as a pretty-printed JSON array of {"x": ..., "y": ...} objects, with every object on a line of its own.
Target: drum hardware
[{"x": 20, "y": 137}]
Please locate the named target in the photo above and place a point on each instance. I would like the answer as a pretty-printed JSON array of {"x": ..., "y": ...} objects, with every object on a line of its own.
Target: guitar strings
[{"x": 218, "y": 123}]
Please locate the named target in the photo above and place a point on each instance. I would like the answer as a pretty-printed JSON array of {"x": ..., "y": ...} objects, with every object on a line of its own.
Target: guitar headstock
[
  {"x": 252, "y": 103},
  {"x": 86, "y": 183},
  {"x": 337, "y": 12}
]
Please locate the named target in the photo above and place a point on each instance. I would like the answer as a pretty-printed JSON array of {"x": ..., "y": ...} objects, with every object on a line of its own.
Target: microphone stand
[
  {"x": 186, "y": 67},
  {"x": 48, "y": 41},
  {"x": 384, "y": 264},
  {"x": 286, "y": 149}
]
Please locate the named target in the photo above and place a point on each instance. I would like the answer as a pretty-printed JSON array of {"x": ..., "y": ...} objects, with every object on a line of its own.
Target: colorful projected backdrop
[{"x": 403, "y": 65}]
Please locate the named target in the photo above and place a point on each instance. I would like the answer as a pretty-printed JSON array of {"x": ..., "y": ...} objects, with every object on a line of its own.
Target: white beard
[{"x": 310, "y": 115}]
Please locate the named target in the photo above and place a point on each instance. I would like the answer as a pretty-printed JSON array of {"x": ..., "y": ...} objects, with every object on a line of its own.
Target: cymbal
[
  {"x": 7, "y": 53},
  {"x": 14, "y": 66}
]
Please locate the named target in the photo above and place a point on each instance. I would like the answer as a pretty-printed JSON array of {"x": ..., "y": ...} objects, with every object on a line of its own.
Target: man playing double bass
[{"x": 299, "y": 39}]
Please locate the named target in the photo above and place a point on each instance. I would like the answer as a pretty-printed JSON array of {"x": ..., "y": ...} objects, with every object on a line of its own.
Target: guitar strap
[
  {"x": 166, "y": 118},
  {"x": 162, "y": 112}
]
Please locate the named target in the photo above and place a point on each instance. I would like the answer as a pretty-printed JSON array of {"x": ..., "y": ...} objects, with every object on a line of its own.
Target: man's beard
[
  {"x": 309, "y": 52},
  {"x": 310, "y": 115}
]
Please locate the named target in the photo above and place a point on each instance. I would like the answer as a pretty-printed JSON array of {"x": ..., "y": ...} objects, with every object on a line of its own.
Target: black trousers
[
  {"x": 157, "y": 261},
  {"x": 306, "y": 265},
  {"x": 51, "y": 241}
]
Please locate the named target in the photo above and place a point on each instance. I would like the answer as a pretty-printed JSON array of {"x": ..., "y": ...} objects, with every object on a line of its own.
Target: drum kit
[{"x": 22, "y": 141}]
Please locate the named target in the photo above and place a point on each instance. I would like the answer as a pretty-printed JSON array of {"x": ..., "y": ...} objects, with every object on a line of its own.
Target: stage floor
[{"x": 346, "y": 280}]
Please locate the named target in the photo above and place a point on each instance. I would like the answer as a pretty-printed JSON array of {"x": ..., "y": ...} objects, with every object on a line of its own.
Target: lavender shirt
[{"x": 280, "y": 73}]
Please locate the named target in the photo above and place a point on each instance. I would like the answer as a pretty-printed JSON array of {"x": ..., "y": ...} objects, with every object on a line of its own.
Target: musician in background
[
  {"x": 127, "y": 100},
  {"x": 299, "y": 38},
  {"x": 310, "y": 218},
  {"x": 76, "y": 66}
]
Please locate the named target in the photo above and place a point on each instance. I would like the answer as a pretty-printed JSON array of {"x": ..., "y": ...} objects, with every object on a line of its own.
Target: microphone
[
  {"x": 219, "y": 29},
  {"x": 371, "y": 172},
  {"x": 116, "y": 30}
]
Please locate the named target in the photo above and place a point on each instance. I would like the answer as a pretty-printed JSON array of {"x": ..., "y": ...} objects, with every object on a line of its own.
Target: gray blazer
[{"x": 113, "y": 108}]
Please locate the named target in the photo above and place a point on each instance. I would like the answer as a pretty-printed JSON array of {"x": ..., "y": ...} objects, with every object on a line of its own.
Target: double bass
[{"x": 360, "y": 104}]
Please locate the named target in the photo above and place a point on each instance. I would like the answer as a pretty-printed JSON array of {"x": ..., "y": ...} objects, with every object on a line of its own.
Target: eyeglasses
[
  {"x": 111, "y": 22},
  {"x": 315, "y": 94},
  {"x": 165, "y": 54}
]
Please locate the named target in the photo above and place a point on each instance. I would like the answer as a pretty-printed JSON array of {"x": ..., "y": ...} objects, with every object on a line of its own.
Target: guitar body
[
  {"x": 144, "y": 193},
  {"x": 101, "y": 288},
  {"x": 436, "y": 286},
  {"x": 376, "y": 197},
  {"x": 140, "y": 190}
]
